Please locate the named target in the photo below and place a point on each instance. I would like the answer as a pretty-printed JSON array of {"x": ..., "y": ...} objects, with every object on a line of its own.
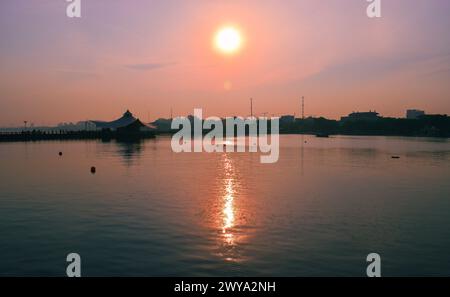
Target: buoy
[
  {"x": 60, "y": 153},
  {"x": 93, "y": 169}
]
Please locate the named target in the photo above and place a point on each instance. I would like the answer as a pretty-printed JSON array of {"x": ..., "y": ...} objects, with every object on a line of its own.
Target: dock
[{"x": 37, "y": 135}]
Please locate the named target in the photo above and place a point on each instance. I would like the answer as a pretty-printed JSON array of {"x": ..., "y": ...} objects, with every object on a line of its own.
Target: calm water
[{"x": 147, "y": 211}]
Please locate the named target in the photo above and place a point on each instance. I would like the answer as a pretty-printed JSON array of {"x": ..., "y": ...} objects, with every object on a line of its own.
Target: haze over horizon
[{"x": 150, "y": 56}]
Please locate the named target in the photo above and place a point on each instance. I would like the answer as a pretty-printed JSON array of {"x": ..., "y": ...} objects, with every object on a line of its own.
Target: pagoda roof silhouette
[{"x": 127, "y": 119}]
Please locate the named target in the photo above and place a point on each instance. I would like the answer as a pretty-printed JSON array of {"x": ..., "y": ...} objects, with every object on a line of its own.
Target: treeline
[{"x": 428, "y": 126}]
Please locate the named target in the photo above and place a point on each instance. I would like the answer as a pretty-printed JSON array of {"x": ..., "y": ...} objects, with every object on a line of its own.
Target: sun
[{"x": 228, "y": 40}]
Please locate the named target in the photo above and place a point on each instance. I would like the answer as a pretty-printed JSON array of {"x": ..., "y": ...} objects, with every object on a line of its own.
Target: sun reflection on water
[{"x": 228, "y": 209}]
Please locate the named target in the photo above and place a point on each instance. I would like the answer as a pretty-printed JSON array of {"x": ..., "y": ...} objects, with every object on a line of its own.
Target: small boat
[{"x": 322, "y": 135}]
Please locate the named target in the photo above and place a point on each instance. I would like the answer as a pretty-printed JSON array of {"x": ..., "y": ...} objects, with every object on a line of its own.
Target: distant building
[
  {"x": 362, "y": 116},
  {"x": 287, "y": 119},
  {"x": 163, "y": 125},
  {"x": 414, "y": 114},
  {"x": 127, "y": 123}
]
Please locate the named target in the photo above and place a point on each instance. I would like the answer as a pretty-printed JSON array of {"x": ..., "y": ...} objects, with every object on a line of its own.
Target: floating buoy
[
  {"x": 60, "y": 153},
  {"x": 93, "y": 169}
]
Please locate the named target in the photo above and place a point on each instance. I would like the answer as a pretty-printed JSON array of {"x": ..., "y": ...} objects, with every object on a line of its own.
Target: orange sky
[{"x": 150, "y": 56}]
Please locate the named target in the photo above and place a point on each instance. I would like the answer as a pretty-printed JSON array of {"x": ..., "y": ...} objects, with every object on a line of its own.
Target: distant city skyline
[
  {"x": 409, "y": 114},
  {"x": 158, "y": 57}
]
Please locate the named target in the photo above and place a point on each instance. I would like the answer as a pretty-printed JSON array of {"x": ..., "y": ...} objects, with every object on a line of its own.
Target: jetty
[{"x": 37, "y": 135}]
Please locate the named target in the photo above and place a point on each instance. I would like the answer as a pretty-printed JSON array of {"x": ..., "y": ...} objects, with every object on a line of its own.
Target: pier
[{"x": 37, "y": 135}]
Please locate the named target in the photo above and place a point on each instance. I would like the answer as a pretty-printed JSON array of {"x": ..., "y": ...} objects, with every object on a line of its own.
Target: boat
[{"x": 322, "y": 135}]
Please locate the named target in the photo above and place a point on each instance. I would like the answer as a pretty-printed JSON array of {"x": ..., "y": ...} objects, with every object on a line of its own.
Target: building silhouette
[
  {"x": 126, "y": 124},
  {"x": 414, "y": 114},
  {"x": 361, "y": 116}
]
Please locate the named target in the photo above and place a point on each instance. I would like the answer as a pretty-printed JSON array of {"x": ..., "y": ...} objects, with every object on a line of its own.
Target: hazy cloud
[
  {"x": 76, "y": 74},
  {"x": 148, "y": 66}
]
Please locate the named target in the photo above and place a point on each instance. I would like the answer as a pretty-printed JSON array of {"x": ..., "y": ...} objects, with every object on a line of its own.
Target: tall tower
[
  {"x": 251, "y": 107},
  {"x": 303, "y": 107}
]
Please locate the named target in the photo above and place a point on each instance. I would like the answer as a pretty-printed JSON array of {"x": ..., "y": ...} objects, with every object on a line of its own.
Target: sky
[{"x": 151, "y": 56}]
